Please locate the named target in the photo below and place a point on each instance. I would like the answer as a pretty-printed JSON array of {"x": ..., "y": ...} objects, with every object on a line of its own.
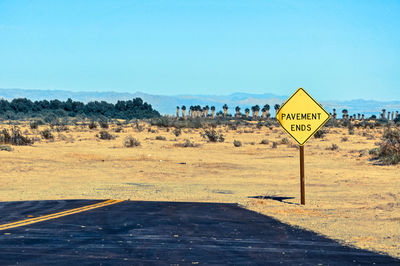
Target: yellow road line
[{"x": 58, "y": 214}]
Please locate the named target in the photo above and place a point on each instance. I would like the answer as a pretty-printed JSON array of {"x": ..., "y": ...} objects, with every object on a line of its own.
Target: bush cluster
[
  {"x": 320, "y": 134},
  {"x": 105, "y": 135},
  {"x": 186, "y": 144},
  {"x": 177, "y": 132},
  {"x": 14, "y": 137},
  {"x": 388, "y": 151},
  {"x": 46, "y": 134},
  {"x": 213, "y": 135},
  {"x": 237, "y": 143},
  {"x": 130, "y": 142}
]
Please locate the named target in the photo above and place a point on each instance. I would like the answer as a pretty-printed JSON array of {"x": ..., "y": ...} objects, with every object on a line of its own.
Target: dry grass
[{"x": 348, "y": 196}]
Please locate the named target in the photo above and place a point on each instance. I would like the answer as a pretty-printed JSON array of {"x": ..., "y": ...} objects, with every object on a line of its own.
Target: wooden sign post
[
  {"x": 302, "y": 188},
  {"x": 301, "y": 116}
]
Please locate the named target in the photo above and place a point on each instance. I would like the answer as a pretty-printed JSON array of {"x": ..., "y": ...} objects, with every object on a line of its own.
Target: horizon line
[{"x": 199, "y": 95}]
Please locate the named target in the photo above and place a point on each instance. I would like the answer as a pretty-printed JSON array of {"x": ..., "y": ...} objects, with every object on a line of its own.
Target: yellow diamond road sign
[{"x": 301, "y": 116}]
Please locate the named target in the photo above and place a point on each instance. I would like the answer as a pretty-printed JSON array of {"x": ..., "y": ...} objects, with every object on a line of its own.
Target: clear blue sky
[{"x": 334, "y": 49}]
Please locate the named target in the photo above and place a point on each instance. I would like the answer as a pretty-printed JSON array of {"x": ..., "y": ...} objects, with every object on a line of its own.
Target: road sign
[{"x": 301, "y": 116}]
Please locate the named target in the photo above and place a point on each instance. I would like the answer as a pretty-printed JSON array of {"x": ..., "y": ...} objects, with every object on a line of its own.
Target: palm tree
[
  {"x": 207, "y": 109},
  {"x": 276, "y": 107},
  {"x": 263, "y": 110},
  {"x": 225, "y": 107},
  {"x": 344, "y": 112},
  {"x": 237, "y": 109},
  {"x": 257, "y": 108},
  {"x": 198, "y": 110},
  {"x": 397, "y": 114},
  {"x": 247, "y": 111},
  {"x": 253, "y": 110},
  {"x": 195, "y": 108},
  {"x": 191, "y": 111},
  {"x": 267, "y": 110},
  {"x": 194, "y": 111},
  {"x": 177, "y": 112},
  {"x": 383, "y": 113},
  {"x": 362, "y": 117},
  {"x": 204, "y": 112},
  {"x": 388, "y": 116},
  {"x": 392, "y": 115},
  {"x": 212, "y": 111},
  {"x": 358, "y": 116},
  {"x": 183, "y": 111},
  {"x": 334, "y": 113}
]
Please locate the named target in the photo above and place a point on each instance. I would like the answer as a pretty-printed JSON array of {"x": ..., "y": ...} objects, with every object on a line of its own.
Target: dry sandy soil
[{"x": 348, "y": 197}]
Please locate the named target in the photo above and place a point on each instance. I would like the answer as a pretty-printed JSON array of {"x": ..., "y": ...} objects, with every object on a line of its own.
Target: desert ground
[{"x": 348, "y": 196}]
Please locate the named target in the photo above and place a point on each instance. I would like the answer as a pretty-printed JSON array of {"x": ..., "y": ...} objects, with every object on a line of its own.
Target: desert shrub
[
  {"x": 62, "y": 137},
  {"x": 92, "y": 125},
  {"x": 177, "y": 132},
  {"x": 344, "y": 139},
  {"x": 5, "y": 148},
  {"x": 105, "y": 135},
  {"x": 259, "y": 125},
  {"x": 161, "y": 122},
  {"x": 293, "y": 145},
  {"x": 35, "y": 124},
  {"x": 373, "y": 151},
  {"x": 139, "y": 128},
  {"x": 51, "y": 118},
  {"x": 334, "y": 147},
  {"x": 186, "y": 144},
  {"x": 151, "y": 130},
  {"x": 130, "y": 142},
  {"x": 232, "y": 126},
  {"x": 60, "y": 128},
  {"x": 350, "y": 127},
  {"x": 46, "y": 134},
  {"x": 161, "y": 138},
  {"x": 369, "y": 137},
  {"x": 274, "y": 145},
  {"x": 237, "y": 143},
  {"x": 196, "y": 123},
  {"x": 14, "y": 138},
  {"x": 285, "y": 141},
  {"x": 118, "y": 129},
  {"x": 332, "y": 123},
  {"x": 264, "y": 141},
  {"x": 213, "y": 135},
  {"x": 389, "y": 148},
  {"x": 103, "y": 124},
  {"x": 320, "y": 134}
]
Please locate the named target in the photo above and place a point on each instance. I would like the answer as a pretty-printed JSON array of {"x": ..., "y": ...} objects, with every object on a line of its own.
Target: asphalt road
[{"x": 164, "y": 233}]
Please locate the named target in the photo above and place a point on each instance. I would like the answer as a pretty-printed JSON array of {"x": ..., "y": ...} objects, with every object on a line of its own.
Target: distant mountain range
[{"x": 167, "y": 104}]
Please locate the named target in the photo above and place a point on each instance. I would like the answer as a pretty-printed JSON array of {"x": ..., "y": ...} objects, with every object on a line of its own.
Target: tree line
[
  {"x": 199, "y": 111},
  {"x": 22, "y": 107}
]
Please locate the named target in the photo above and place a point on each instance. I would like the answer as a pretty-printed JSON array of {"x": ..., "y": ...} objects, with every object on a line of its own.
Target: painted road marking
[{"x": 58, "y": 214}]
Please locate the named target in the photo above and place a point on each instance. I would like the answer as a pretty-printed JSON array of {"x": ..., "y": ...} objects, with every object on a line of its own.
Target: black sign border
[{"x": 323, "y": 123}]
